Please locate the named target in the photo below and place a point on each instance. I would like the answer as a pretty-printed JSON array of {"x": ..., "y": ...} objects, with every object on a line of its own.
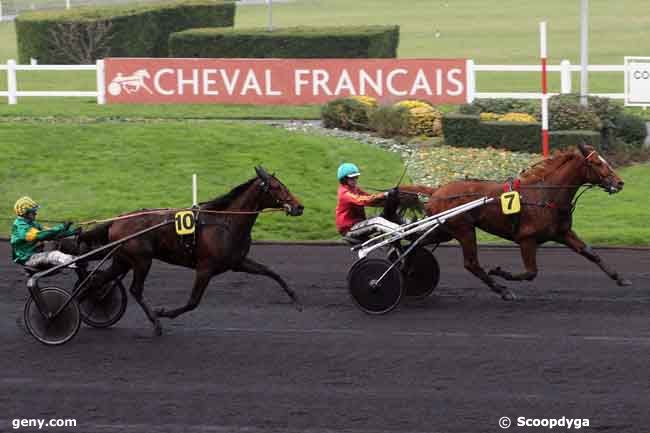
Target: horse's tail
[{"x": 419, "y": 189}]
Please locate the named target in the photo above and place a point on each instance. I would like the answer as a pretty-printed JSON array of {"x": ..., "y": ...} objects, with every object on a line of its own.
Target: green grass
[
  {"x": 61, "y": 108},
  {"x": 88, "y": 171},
  {"x": 619, "y": 219}
]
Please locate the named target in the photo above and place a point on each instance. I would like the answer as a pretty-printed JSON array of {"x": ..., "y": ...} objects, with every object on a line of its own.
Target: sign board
[
  {"x": 282, "y": 81},
  {"x": 637, "y": 81}
]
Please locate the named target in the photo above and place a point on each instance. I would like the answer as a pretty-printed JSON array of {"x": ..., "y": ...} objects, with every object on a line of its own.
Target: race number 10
[
  {"x": 510, "y": 203},
  {"x": 185, "y": 224}
]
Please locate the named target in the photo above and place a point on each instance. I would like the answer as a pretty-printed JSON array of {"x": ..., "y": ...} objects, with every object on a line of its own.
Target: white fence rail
[
  {"x": 12, "y": 93},
  {"x": 565, "y": 68}
]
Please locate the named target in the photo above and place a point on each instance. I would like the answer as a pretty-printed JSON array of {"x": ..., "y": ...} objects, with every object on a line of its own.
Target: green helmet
[{"x": 347, "y": 169}]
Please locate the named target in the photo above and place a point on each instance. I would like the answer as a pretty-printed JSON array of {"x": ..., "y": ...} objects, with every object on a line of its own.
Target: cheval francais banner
[{"x": 282, "y": 81}]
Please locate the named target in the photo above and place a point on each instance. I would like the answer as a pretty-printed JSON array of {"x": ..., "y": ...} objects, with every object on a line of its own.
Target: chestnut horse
[
  {"x": 547, "y": 193},
  {"x": 221, "y": 242}
]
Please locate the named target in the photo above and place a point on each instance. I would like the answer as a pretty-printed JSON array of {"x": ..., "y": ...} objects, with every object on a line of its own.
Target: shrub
[
  {"x": 294, "y": 42},
  {"x": 562, "y": 139},
  {"x": 566, "y": 113},
  {"x": 470, "y": 109},
  {"x": 87, "y": 33},
  {"x": 459, "y": 129},
  {"x": 368, "y": 101},
  {"x": 629, "y": 128},
  {"x": 502, "y": 106},
  {"x": 423, "y": 119},
  {"x": 468, "y": 131},
  {"x": 390, "y": 121},
  {"x": 345, "y": 113}
]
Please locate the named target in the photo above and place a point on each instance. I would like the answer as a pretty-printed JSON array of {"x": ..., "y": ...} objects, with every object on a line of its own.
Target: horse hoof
[
  {"x": 157, "y": 330},
  {"x": 298, "y": 306},
  {"x": 623, "y": 282},
  {"x": 507, "y": 295}
]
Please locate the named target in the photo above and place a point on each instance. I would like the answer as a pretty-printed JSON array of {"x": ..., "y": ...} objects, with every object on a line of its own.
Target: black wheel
[
  {"x": 57, "y": 330},
  {"x": 421, "y": 273},
  {"x": 370, "y": 296},
  {"x": 103, "y": 308}
]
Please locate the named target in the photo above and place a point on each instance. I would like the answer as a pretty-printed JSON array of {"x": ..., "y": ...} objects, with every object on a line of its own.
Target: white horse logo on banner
[{"x": 130, "y": 83}]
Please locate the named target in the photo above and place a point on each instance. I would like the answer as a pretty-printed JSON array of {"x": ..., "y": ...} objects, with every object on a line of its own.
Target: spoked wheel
[
  {"x": 57, "y": 330},
  {"x": 421, "y": 273},
  {"x": 104, "y": 307},
  {"x": 371, "y": 295}
]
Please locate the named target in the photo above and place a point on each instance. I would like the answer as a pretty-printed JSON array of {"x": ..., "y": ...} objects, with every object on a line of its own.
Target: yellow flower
[
  {"x": 517, "y": 117},
  {"x": 487, "y": 117},
  {"x": 366, "y": 100}
]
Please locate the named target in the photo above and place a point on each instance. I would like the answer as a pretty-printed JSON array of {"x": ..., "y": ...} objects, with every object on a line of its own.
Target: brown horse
[
  {"x": 547, "y": 202},
  {"x": 221, "y": 242}
]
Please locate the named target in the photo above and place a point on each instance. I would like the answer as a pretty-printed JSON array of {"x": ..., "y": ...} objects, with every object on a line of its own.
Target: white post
[
  {"x": 67, "y": 4},
  {"x": 565, "y": 77},
  {"x": 270, "y": 2},
  {"x": 543, "y": 57},
  {"x": 1, "y": 12},
  {"x": 194, "y": 191},
  {"x": 584, "y": 51},
  {"x": 12, "y": 86},
  {"x": 471, "y": 80},
  {"x": 101, "y": 83}
]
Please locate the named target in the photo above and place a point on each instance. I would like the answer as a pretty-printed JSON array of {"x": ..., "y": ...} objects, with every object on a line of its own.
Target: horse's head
[
  {"x": 277, "y": 195},
  {"x": 598, "y": 171}
]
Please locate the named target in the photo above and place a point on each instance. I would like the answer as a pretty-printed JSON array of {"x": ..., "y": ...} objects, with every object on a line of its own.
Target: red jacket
[{"x": 349, "y": 209}]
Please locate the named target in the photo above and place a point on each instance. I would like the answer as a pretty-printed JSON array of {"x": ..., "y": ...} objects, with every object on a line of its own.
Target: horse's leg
[
  {"x": 467, "y": 239},
  {"x": 528, "y": 248},
  {"x": 140, "y": 270},
  {"x": 201, "y": 280},
  {"x": 572, "y": 241},
  {"x": 252, "y": 267}
]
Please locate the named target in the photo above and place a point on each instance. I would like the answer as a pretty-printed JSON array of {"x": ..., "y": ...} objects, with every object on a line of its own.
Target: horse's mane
[
  {"x": 547, "y": 165},
  {"x": 222, "y": 202}
]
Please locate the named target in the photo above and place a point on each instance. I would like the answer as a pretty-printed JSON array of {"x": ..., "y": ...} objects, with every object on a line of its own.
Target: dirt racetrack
[{"x": 574, "y": 345}]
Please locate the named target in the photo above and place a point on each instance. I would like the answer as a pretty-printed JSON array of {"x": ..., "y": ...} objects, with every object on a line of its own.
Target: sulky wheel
[
  {"x": 370, "y": 296},
  {"x": 56, "y": 330},
  {"x": 103, "y": 308},
  {"x": 421, "y": 273}
]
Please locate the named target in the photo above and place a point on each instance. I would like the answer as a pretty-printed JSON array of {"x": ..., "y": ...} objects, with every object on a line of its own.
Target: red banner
[{"x": 282, "y": 81}]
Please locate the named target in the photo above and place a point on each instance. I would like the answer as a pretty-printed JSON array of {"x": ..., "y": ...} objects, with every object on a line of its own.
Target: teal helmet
[{"x": 347, "y": 170}]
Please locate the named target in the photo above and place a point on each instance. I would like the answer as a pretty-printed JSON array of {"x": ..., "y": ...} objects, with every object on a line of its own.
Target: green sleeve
[{"x": 44, "y": 235}]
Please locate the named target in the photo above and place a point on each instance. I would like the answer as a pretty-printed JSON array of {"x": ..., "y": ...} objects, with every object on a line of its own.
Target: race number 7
[
  {"x": 184, "y": 222},
  {"x": 510, "y": 203}
]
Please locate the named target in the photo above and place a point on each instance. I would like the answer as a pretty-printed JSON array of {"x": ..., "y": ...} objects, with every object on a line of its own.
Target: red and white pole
[{"x": 542, "y": 34}]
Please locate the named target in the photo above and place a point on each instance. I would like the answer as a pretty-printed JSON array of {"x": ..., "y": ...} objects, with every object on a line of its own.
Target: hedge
[
  {"x": 293, "y": 42},
  {"x": 53, "y": 37},
  {"x": 464, "y": 130},
  {"x": 561, "y": 139}
]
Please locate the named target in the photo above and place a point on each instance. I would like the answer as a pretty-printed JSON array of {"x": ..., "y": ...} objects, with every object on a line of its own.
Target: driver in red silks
[{"x": 350, "y": 214}]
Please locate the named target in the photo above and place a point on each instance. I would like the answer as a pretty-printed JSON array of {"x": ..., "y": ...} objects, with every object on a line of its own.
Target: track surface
[{"x": 573, "y": 345}]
